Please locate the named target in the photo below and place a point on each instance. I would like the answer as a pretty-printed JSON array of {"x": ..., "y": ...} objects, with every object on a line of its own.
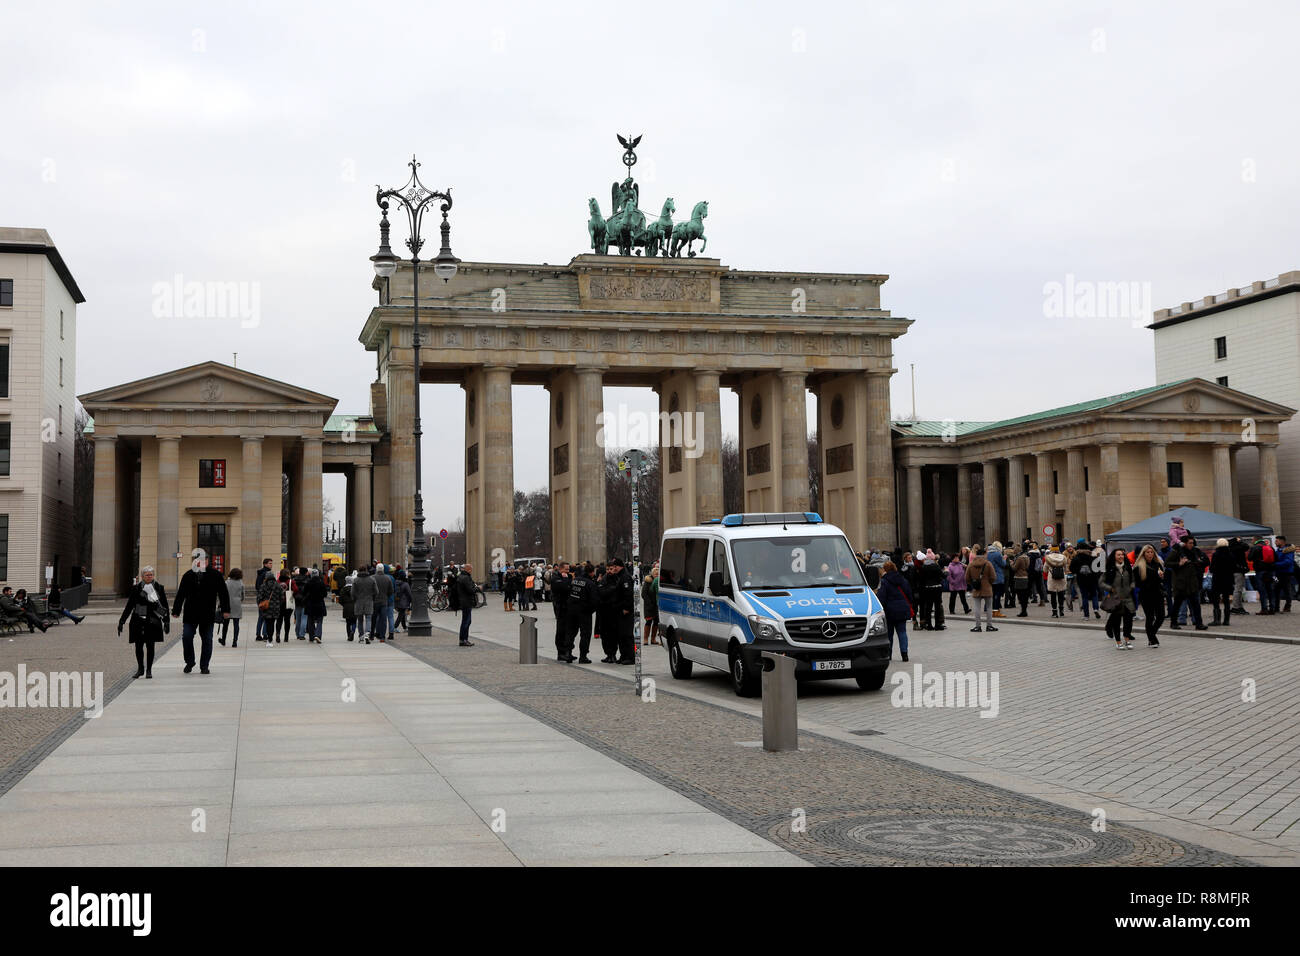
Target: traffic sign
[
  {"x": 1049, "y": 530},
  {"x": 442, "y": 533},
  {"x": 381, "y": 527}
]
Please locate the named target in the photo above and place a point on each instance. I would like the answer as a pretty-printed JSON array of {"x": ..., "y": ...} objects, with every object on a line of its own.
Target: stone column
[
  {"x": 310, "y": 518},
  {"x": 1270, "y": 501},
  {"x": 590, "y": 459},
  {"x": 880, "y": 462},
  {"x": 915, "y": 510},
  {"x": 708, "y": 466},
  {"x": 794, "y": 441},
  {"x": 401, "y": 468},
  {"x": 169, "y": 515},
  {"x": 992, "y": 509},
  {"x": 1076, "y": 502},
  {"x": 1017, "y": 516},
  {"x": 359, "y": 550},
  {"x": 1222, "y": 455},
  {"x": 251, "y": 551},
  {"x": 498, "y": 465},
  {"x": 964, "y": 522},
  {"x": 105, "y": 523},
  {"x": 1046, "y": 496},
  {"x": 1111, "y": 516},
  {"x": 1159, "y": 465},
  {"x": 1236, "y": 487}
]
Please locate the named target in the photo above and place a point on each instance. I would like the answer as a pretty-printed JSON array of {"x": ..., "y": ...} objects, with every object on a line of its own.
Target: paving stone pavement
[
  {"x": 267, "y": 762},
  {"x": 832, "y": 803},
  {"x": 1157, "y": 737}
]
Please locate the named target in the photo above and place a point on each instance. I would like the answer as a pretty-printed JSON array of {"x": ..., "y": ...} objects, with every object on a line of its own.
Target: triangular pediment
[
  {"x": 209, "y": 384},
  {"x": 1200, "y": 398}
]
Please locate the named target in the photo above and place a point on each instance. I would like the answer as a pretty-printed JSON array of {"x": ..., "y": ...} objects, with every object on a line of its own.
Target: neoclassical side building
[
  {"x": 202, "y": 457},
  {"x": 1088, "y": 469}
]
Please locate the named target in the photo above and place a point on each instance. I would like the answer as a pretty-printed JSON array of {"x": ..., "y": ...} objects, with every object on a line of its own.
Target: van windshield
[{"x": 791, "y": 561}]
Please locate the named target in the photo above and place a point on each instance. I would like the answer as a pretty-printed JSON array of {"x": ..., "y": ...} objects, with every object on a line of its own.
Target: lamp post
[{"x": 415, "y": 199}]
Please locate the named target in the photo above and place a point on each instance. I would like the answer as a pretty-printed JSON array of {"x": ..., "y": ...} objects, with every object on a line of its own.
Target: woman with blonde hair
[{"x": 1148, "y": 575}]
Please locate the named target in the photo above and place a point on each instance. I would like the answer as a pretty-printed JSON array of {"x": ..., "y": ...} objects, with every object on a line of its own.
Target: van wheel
[
  {"x": 873, "y": 680},
  {"x": 744, "y": 680},
  {"x": 678, "y": 665}
]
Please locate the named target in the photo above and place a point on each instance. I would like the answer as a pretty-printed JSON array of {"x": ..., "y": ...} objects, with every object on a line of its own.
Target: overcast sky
[{"x": 976, "y": 153}]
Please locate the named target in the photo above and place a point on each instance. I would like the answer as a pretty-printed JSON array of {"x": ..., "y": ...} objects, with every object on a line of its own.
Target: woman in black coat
[
  {"x": 896, "y": 599},
  {"x": 1223, "y": 571},
  {"x": 146, "y": 606},
  {"x": 316, "y": 590}
]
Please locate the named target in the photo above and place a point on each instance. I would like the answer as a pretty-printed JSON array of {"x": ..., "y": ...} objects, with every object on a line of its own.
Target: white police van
[{"x": 785, "y": 583}]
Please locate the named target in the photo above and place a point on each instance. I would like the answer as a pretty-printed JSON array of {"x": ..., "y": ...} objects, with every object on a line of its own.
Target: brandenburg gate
[{"x": 686, "y": 326}]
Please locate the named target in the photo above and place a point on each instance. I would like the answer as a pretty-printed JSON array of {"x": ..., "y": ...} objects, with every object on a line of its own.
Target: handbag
[{"x": 1111, "y": 602}]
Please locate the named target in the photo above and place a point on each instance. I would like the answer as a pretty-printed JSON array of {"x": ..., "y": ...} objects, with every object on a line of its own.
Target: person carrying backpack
[
  {"x": 1055, "y": 564},
  {"x": 1262, "y": 557}
]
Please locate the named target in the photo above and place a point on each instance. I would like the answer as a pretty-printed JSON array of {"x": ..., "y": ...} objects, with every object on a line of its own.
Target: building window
[
  {"x": 4, "y": 449},
  {"x": 212, "y": 472},
  {"x": 60, "y": 373},
  {"x": 60, "y": 323},
  {"x": 4, "y": 547},
  {"x": 1026, "y": 486},
  {"x": 60, "y": 419},
  {"x": 4, "y": 368},
  {"x": 1175, "y": 469},
  {"x": 1085, "y": 477},
  {"x": 1056, "y": 483},
  {"x": 1222, "y": 380},
  {"x": 1221, "y": 347},
  {"x": 6, "y": 291}
]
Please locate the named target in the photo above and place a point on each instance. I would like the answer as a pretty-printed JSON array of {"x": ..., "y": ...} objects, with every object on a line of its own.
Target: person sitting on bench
[{"x": 15, "y": 606}]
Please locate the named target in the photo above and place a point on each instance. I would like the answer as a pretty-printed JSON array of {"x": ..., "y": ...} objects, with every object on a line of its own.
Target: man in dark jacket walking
[
  {"x": 578, "y": 608},
  {"x": 616, "y": 599},
  {"x": 467, "y": 592},
  {"x": 201, "y": 589},
  {"x": 1189, "y": 563},
  {"x": 561, "y": 583}
]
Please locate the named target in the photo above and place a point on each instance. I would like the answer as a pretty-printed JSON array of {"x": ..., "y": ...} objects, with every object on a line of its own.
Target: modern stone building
[
  {"x": 1247, "y": 339},
  {"x": 684, "y": 327},
  {"x": 199, "y": 457},
  {"x": 1085, "y": 470},
  {"x": 38, "y": 356}
]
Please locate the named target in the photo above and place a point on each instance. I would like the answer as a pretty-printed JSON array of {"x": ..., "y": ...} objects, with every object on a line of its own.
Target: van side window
[
  {"x": 720, "y": 562},
  {"x": 697, "y": 556},
  {"x": 682, "y": 564}
]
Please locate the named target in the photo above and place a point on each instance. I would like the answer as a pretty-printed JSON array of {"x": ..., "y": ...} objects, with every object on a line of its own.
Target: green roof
[
  {"x": 933, "y": 429},
  {"x": 936, "y": 429},
  {"x": 343, "y": 423}
]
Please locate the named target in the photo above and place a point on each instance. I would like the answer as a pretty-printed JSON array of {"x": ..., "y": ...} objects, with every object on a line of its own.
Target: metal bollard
[
  {"x": 780, "y": 704},
  {"x": 527, "y": 639}
]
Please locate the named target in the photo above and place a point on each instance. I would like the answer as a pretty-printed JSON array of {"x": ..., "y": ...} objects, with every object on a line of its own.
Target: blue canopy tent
[{"x": 1206, "y": 526}]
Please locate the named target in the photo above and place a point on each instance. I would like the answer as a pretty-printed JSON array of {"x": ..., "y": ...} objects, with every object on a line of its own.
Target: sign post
[
  {"x": 443, "y": 535},
  {"x": 632, "y": 463}
]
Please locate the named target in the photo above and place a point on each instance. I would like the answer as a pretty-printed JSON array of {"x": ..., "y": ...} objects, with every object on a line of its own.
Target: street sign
[
  {"x": 381, "y": 527},
  {"x": 442, "y": 533},
  {"x": 1049, "y": 530}
]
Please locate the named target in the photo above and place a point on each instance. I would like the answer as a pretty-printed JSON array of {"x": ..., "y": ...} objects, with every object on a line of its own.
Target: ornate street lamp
[{"x": 415, "y": 199}]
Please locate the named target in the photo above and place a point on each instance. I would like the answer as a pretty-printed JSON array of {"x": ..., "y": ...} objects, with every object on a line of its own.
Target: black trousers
[
  {"x": 563, "y": 638},
  {"x": 606, "y": 629},
  {"x": 932, "y": 606},
  {"x": 143, "y": 658},
  {"x": 622, "y": 627},
  {"x": 1152, "y": 600},
  {"x": 1022, "y": 595},
  {"x": 578, "y": 624},
  {"x": 952, "y": 602}
]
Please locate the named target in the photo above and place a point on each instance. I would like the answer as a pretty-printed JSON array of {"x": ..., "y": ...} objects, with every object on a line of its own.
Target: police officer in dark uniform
[
  {"x": 616, "y": 598},
  {"x": 582, "y": 601},
  {"x": 560, "y": 586}
]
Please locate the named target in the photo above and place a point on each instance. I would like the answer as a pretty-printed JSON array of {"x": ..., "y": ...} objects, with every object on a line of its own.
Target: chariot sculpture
[{"x": 627, "y": 229}]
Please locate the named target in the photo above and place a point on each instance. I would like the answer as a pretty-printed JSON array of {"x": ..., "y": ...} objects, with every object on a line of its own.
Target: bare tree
[
  {"x": 83, "y": 488},
  {"x": 618, "y": 508},
  {"x": 532, "y": 523},
  {"x": 814, "y": 475},
  {"x": 733, "y": 480}
]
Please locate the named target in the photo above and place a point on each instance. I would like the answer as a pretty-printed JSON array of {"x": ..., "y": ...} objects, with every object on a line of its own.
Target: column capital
[
  {"x": 175, "y": 438},
  {"x": 106, "y": 439},
  {"x": 1264, "y": 444},
  {"x": 312, "y": 439},
  {"x": 499, "y": 368},
  {"x": 799, "y": 373},
  {"x": 252, "y": 438},
  {"x": 708, "y": 371},
  {"x": 879, "y": 372},
  {"x": 591, "y": 369}
]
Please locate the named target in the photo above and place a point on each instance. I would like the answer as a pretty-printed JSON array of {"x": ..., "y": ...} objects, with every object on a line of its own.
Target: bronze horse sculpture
[{"x": 688, "y": 232}]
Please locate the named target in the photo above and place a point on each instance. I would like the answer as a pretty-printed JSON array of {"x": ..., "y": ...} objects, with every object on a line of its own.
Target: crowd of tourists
[{"x": 1165, "y": 581}]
